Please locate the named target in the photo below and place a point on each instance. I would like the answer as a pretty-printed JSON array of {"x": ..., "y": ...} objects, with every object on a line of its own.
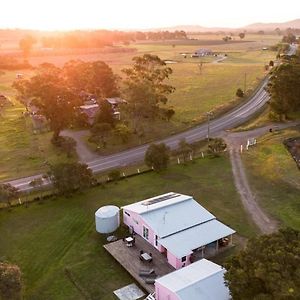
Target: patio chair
[
  {"x": 150, "y": 280},
  {"x": 146, "y": 272}
]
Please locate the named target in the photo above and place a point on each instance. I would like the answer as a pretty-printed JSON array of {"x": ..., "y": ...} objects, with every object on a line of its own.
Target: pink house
[
  {"x": 177, "y": 226},
  {"x": 202, "y": 280}
]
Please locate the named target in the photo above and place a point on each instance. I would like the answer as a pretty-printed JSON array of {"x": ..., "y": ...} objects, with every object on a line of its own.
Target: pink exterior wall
[
  {"x": 162, "y": 293},
  {"x": 136, "y": 222},
  {"x": 176, "y": 262}
]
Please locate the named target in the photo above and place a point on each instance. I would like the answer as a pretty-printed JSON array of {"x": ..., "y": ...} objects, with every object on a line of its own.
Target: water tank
[{"x": 107, "y": 219}]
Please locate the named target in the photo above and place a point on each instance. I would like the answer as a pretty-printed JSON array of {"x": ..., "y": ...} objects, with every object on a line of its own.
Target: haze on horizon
[{"x": 139, "y": 14}]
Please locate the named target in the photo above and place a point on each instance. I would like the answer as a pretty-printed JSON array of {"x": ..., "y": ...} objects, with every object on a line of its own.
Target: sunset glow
[{"x": 133, "y": 14}]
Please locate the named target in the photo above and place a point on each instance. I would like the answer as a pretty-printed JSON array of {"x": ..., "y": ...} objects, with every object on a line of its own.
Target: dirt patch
[{"x": 293, "y": 146}]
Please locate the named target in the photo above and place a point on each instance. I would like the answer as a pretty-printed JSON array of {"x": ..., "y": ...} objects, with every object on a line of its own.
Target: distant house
[
  {"x": 177, "y": 226},
  {"x": 202, "y": 280},
  {"x": 91, "y": 107},
  {"x": 202, "y": 52},
  {"x": 90, "y": 110}
]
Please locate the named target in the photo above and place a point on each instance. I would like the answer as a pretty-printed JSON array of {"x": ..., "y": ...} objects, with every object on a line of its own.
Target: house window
[
  {"x": 145, "y": 232},
  {"x": 183, "y": 259},
  {"x": 156, "y": 239},
  {"x": 126, "y": 213}
]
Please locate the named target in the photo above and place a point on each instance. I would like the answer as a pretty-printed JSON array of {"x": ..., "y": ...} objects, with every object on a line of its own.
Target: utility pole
[
  {"x": 245, "y": 83},
  {"x": 208, "y": 115}
]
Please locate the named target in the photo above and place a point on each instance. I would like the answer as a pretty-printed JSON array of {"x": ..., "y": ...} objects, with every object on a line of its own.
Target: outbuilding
[
  {"x": 177, "y": 226},
  {"x": 202, "y": 280}
]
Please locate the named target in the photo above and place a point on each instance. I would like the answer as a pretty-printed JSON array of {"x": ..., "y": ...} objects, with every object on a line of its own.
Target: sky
[{"x": 141, "y": 14}]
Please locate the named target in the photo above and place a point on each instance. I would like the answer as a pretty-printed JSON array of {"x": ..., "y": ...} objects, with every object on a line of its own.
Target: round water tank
[{"x": 107, "y": 219}]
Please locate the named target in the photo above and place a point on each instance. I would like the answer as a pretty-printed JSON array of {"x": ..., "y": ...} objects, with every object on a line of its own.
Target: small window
[
  {"x": 145, "y": 232},
  {"x": 126, "y": 213},
  {"x": 183, "y": 259}
]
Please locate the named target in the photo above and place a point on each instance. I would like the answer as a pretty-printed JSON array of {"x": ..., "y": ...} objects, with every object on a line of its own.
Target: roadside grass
[
  {"x": 274, "y": 177},
  {"x": 260, "y": 120},
  {"x": 45, "y": 239}
]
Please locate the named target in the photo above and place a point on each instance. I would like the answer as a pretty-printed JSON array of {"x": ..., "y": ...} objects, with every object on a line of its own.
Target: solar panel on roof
[{"x": 160, "y": 199}]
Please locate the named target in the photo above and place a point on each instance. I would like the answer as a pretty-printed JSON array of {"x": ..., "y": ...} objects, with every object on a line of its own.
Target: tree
[
  {"x": 114, "y": 175},
  {"x": 105, "y": 113},
  {"x": 100, "y": 131},
  {"x": 157, "y": 156},
  {"x": 216, "y": 146},
  {"x": 167, "y": 113},
  {"x": 123, "y": 132},
  {"x": 8, "y": 193},
  {"x": 68, "y": 145},
  {"x": 48, "y": 91},
  {"x": 268, "y": 268},
  {"x": 70, "y": 177},
  {"x": 96, "y": 78},
  {"x": 289, "y": 38},
  {"x": 145, "y": 89},
  {"x": 26, "y": 45},
  {"x": 278, "y": 31},
  {"x": 184, "y": 149},
  {"x": 241, "y": 35},
  {"x": 284, "y": 87},
  {"x": 10, "y": 281},
  {"x": 239, "y": 93}
]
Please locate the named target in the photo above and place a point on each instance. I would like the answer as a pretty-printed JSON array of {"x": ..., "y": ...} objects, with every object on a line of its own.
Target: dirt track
[{"x": 234, "y": 141}]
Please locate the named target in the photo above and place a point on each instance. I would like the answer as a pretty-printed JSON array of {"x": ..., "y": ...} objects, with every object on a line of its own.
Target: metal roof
[
  {"x": 182, "y": 243},
  {"x": 147, "y": 205},
  {"x": 174, "y": 218},
  {"x": 202, "y": 280}
]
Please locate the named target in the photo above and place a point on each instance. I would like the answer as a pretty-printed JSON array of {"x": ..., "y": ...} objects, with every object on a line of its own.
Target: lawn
[
  {"x": 275, "y": 178},
  {"x": 47, "y": 239}
]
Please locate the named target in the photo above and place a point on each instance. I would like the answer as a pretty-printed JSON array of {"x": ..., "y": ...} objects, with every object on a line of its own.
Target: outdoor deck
[{"x": 128, "y": 257}]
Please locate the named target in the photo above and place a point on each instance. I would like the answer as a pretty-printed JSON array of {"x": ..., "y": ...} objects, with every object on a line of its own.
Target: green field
[
  {"x": 212, "y": 89},
  {"x": 275, "y": 178},
  {"x": 45, "y": 239}
]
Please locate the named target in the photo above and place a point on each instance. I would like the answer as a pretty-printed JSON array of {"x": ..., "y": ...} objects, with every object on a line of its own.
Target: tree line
[
  {"x": 284, "y": 87},
  {"x": 101, "y": 38}
]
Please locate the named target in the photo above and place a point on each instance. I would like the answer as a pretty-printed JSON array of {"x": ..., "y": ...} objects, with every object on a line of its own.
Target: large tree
[
  {"x": 284, "y": 87},
  {"x": 145, "y": 86},
  {"x": 268, "y": 268},
  {"x": 48, "y": 91},
  {"x": 95, "y": 78},
  {"x": 157, "y": 156},
  {"x": 10, "y": 281},
  {"x": 70, "y": 177},
  {"x": 105, "y": 113}
]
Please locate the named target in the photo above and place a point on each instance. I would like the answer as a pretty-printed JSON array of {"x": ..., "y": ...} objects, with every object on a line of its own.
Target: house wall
[
  {"x": 176, "y": 262},
  {"x": 162, "y": 293},
  {"x": 134, "y": 220}
]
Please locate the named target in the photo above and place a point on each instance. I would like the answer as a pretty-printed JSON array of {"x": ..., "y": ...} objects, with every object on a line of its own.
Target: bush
[
  {"x": 157, "y": 156},
  {"x": 239, "y": 93},
  {"x": 114, "y": 175}
]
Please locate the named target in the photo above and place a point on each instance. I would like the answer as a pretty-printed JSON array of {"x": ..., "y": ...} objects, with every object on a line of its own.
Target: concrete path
[{"x": 84, "y": 153}]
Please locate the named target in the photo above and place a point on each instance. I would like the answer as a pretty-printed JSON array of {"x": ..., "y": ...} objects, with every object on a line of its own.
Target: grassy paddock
[
  {"x": 196, "y": 93},
  {"x": 45, "y": 239},
  {"x": 275, "y": 178}
]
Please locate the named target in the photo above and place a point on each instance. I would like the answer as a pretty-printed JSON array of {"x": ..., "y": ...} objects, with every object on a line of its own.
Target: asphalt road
[{"x": 226, "y": 122}]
